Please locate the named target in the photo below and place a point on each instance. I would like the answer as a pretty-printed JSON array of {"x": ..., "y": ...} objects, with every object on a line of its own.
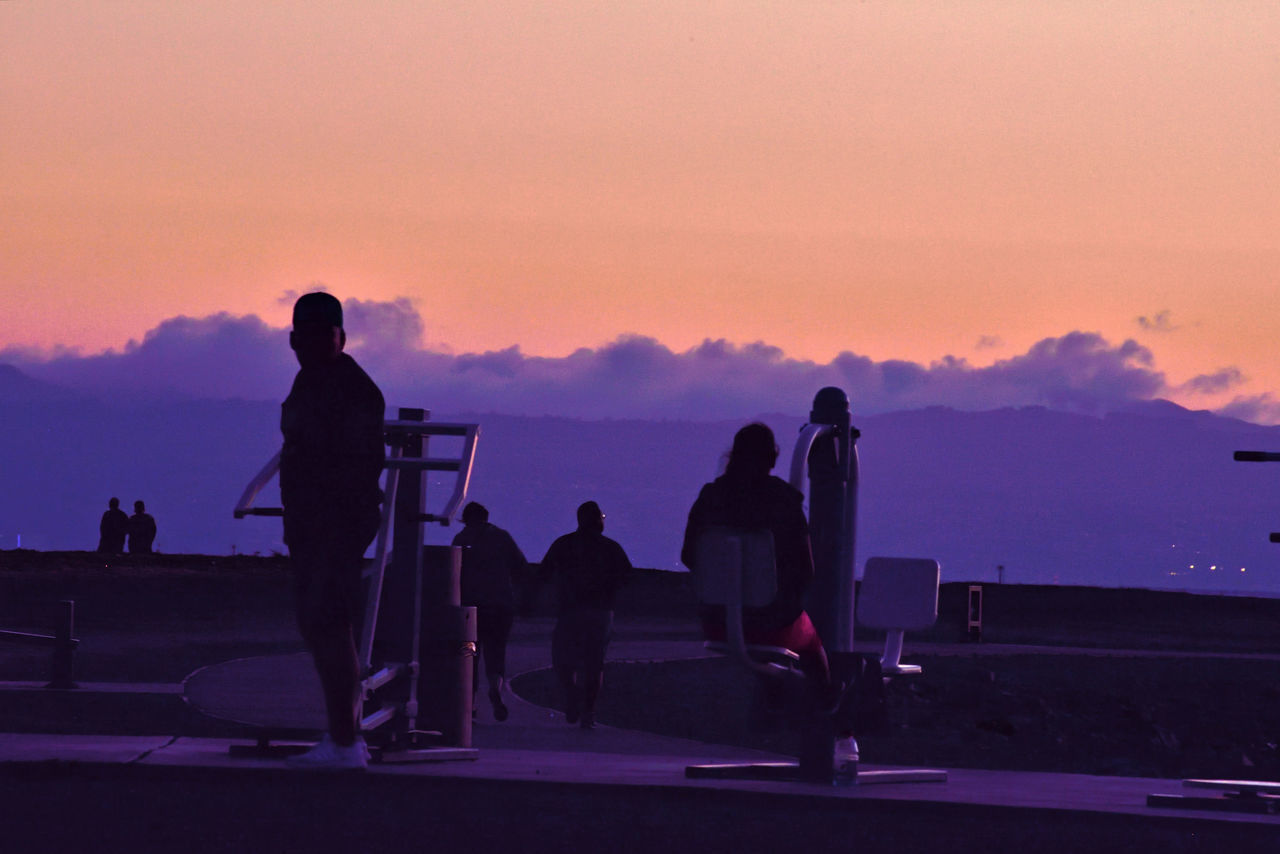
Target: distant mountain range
[{"x": 1148, "y": 497}]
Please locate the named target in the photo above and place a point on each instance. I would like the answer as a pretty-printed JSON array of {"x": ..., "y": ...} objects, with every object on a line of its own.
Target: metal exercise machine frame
[
  {"x": 63, "y": 642},
  {"x": 1259, "y": 457},
  {"x": 1253, "y": 796},
  {"x": 399, "y": 434},
  {"x": 825, "y": 452}
]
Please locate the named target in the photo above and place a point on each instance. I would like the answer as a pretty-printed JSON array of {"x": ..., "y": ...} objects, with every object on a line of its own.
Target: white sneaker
[
  {"x": 326, "y": 755},
  {"x": 328, "y": 739},
  {"x": 845, "y": 765}
]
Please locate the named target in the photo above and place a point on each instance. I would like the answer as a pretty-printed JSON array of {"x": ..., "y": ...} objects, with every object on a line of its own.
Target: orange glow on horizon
[{"x": 896, "y": 180}]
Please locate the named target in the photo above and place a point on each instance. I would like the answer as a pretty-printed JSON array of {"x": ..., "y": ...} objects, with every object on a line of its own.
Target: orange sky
[{"x": 895, "y": 179}]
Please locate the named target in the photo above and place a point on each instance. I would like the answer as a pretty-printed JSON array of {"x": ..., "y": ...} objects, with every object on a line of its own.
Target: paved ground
[{"x": 539, "y": 784}]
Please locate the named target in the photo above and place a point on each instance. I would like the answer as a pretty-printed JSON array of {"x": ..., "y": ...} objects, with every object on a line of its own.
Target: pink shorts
[{"x": 800, "y": 637}]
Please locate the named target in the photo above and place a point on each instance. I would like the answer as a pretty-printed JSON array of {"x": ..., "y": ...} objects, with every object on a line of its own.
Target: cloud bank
[{"x": 224, "y": 356}]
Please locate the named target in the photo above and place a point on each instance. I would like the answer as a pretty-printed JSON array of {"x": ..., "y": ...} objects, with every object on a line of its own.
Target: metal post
[
  {"x": 826, "y": 445},
  {"x": 448, "y": 648},
  {"x": 396, "y": 640},
  {"x": 833, "y": 507},
  {"x": 64, "y": 648},
  {"x": 411, "y": 495},
  {"x": 973, "y": 627}
]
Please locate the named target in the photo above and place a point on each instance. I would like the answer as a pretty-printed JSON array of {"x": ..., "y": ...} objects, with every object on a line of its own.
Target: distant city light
[
  {"x": 1242, "y": 569},
  {"x": 1213, "y": 568}
]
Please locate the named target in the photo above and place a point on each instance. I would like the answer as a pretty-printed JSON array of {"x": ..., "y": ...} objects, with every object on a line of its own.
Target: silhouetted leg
[
  {"x": 564, "y": 663},
  {"x": 328, "y": 601},
  {"x": 596, "y": 628},
  {"x": 498, "y": 629},
  {"x": 338, "y": 667},
  {"x": 802, "y": 638}
]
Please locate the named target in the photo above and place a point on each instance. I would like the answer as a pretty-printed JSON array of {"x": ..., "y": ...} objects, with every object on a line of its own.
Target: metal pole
[
  {"x": 848, "y": 567},
  {"x": 395, "y": 638},
  {"x": 833, "y": 506},
  {"x": 406, "y": 550},
  {"x": 64, "y": 648}
]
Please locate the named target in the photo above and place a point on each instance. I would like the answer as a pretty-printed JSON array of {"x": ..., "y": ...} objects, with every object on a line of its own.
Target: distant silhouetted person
[
  {"x": 491, "y": 563},
  {"x": 588, "y": 568},
  {"x": 113, "y": 528},
  {"x": 329, "y": 469},
  {"x": 142, "y": 530}
]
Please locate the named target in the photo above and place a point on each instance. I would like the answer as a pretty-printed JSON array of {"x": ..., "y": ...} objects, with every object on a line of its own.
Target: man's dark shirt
[
  {"x": 333, "y": 449},
  {"x": 142, "y": 533},
  {"x": 588, "y": 568},
  {"x": 491, "y": 562},
  {"x": 767, "y": 503},
  {"x": 112, "y": 530}
]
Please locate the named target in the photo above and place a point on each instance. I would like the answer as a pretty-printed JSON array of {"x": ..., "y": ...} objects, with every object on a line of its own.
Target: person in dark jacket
[
  {"x": 588, "y": 569},
  {"x": 491, "y": 564},
  {"x": 142, "y": 530},
  {"x": 113, "y": 528},
  {"x": 748, "y": 497},
  {"x": 330, "y": 463}
]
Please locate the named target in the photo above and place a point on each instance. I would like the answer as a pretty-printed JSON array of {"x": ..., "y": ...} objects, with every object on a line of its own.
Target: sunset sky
[{"x": 898, "y": 180}]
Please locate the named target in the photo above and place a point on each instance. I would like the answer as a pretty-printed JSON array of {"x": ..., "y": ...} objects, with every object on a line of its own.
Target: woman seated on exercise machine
[{"x": 748, "y": 497}]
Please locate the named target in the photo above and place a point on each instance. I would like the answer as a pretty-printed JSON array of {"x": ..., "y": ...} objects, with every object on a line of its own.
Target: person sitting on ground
[
  {"x": 142, "y": 530},
  {"x": 113, "y": 528},
  {"x": 491, "y": 561},
  {"x": 589, "y": 568}
]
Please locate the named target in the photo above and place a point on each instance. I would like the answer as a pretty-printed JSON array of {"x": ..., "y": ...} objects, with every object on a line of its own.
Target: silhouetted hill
[
  {"x": 1147, "y": 497},
  {"x": 18, "y": 389}
]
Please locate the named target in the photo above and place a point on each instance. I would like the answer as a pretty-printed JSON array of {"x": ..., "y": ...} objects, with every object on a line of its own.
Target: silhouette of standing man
[
  {"x": 329, "y": 468},
  {"x": 588, "y": 568},
  {"x": 142, "y": 530},
  {"x": 113, "y": 528}
]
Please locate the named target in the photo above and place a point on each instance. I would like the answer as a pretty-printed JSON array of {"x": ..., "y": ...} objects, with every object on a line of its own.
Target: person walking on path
[
  {"x": 491, "y": 564},
  {"x": 588, "y": 569},
  {"x": 142, "y": 530},
  {"x": 330, "y": 463},
  {"x": 113, "y": 528}
]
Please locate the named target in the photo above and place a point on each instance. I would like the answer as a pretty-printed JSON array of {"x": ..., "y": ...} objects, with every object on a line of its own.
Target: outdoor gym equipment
[
  {"x": 737, "y": 569},
  {"x": 1259, "y": 457},
  {"x": 416, "y": 641},
  {"x": 63, "y": 642},
  {"x": 1255, "y": 796}
]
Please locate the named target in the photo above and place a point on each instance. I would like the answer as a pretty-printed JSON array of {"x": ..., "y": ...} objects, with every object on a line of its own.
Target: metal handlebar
[
  {"x": 800, "y": 456},
  {"x": 258, "y": 511}
]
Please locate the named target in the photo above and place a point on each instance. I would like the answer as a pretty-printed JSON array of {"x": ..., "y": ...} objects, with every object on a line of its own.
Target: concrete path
[
  {"x": 536, "y": 746},
  {"x": 638, "y": 760}
]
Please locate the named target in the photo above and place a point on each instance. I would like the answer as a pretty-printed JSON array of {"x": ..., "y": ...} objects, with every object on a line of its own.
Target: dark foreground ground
[
  {"x": 1091, "y": 710},
  {"x": 1089, "y": 714},
  {"x": 156, "y": 620},
  {"x": 139, "y": 809}
]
